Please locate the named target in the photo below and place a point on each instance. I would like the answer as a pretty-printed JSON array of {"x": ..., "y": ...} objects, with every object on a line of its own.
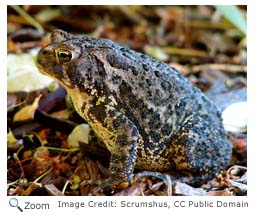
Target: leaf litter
[{"x": 41, "y": 160}]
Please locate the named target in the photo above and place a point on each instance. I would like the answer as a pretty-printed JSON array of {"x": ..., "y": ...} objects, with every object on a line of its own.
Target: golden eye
[{"x": 63, "y": 55}]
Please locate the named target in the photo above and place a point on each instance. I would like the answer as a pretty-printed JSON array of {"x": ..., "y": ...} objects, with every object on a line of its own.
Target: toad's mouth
[
  {"x": 61, "y": 80},
  {"x": 42, "y": 69}
]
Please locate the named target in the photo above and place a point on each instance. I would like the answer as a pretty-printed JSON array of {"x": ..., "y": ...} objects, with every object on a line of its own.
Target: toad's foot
[{"x": 169, "y": 180}]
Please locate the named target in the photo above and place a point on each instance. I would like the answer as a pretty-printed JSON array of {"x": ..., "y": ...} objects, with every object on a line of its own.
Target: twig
[
  {"x": 59, "y": 149},
  {"x": 65, "y": 186},
  {"x": 15, "y": 156},
  {"x": 188, "y": 52},
  {"x": 52, "y": 190},
  {"x": 206, "y": 25},
  {"x": 43, "y": 175},
  {"x": 236, "y": 167},
  {"x": 28, "y": 18},
  {"x": 222, "y": 67}
]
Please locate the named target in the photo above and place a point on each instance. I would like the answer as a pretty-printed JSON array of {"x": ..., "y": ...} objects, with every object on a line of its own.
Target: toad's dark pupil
[{"x": 64, "y": 55}]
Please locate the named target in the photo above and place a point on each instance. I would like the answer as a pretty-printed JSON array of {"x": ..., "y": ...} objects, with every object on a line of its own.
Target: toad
[{"x": 149, "y": 116}]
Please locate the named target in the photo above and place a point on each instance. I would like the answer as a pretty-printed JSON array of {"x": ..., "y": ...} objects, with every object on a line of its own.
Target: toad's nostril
[{"x": 44, "y": 52}]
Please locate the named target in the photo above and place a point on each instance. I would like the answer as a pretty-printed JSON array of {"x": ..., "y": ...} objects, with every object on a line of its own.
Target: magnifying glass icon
[{"x": 13, "y": 202}]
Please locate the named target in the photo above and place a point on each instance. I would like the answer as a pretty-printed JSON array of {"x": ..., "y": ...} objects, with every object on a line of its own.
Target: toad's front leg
[{"x": 121, "y": 137}]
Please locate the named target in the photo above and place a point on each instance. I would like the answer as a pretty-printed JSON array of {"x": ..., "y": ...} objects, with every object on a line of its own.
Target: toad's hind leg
[{"x": 200, "y": 151}]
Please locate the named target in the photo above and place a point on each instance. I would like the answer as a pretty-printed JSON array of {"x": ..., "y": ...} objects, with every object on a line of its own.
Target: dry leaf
[
  {"x": 79, "y": 134},
  {"x": 27, "y": 112}
]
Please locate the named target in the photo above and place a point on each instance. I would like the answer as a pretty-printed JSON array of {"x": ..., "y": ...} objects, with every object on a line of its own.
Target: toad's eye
[{"x": 63, "y": 55}]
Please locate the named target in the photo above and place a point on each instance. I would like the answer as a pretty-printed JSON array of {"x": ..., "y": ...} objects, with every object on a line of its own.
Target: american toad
[{"x": 148, "y": 115}]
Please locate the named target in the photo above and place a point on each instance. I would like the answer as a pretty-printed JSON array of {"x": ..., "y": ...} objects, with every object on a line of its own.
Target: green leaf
[{"x": 233, "y": 15}]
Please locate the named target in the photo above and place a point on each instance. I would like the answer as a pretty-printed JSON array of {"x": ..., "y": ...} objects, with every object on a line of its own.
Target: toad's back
[{"x": 147, "y": 114}]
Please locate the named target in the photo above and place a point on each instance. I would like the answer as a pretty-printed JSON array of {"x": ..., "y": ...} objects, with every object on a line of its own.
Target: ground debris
[{"x": 40, "y": 160}]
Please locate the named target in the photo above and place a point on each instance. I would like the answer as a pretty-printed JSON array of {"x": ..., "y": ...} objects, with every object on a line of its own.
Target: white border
[{"x": 252, "y": 121}]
